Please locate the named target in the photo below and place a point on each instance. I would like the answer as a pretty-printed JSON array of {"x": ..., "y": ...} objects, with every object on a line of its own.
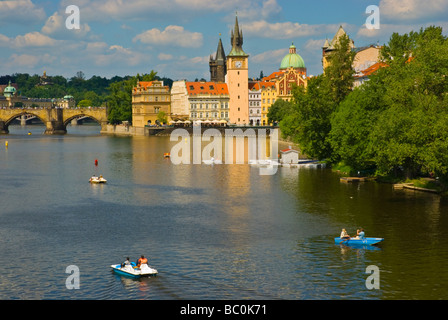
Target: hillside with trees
[{"x": 115, "y": 93}]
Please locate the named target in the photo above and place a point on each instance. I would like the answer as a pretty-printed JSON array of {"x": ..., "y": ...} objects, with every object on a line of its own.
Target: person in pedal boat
[
  {"x": 126, "y": 263},
  {"x": 141, "y": 261}
]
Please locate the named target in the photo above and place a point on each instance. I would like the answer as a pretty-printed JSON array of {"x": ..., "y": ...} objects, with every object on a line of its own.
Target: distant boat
[
  {"x": 166, "y": 155},
  {"x": 355, "y": 241},
  {"x": 96, "y": 179}
]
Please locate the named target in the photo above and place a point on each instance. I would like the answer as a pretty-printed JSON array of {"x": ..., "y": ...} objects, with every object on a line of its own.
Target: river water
[{"x": 213, "y": 232}]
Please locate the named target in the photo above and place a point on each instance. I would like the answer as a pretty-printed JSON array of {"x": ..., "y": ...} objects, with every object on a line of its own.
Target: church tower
[
  {"x": 238, "y": 78},
  {"x": 218, "y": 67}
]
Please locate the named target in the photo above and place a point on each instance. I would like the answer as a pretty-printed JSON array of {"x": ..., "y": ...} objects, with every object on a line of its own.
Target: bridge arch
[
  {"x": 69, "y": 119},
  {"x": 18, "y": 115}
]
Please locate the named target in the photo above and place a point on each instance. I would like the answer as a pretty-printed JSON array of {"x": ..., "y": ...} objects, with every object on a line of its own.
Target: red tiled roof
[
  {"x": 372, "y": 69},
  {"x": 272, "y": 76},
  {"x": 212, "y": 88}
]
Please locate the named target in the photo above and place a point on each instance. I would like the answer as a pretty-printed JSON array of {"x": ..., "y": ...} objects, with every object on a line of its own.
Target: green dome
[
  {"x": 292, "y": 59},
  {"x": 9, "y": 90}
]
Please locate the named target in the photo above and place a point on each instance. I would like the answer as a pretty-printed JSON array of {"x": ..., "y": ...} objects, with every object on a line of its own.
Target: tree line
[
  {"x": 115, "y": 93},
  {"x": 395, "y": 124}
]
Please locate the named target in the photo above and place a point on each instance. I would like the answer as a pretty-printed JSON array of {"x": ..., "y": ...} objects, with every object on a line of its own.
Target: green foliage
[
  {"x": 120, "y": 98},
  {"x": 279, "y": 110},
  {"x": 399, "y": 119},
  {"x": 162, "y": 117},
  {"x": 309, "y": 122},
  {"x": 396, "y": 123}
]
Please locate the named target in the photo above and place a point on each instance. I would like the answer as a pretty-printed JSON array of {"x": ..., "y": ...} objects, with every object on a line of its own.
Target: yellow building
[
  {"x": 268, "y": 96},
  {"x": 150, "y": 100},
  {"x": 279, "y": 85}
]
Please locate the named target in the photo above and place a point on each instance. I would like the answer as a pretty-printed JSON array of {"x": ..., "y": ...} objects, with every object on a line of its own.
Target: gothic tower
[
  {"x": 218, "y": 68},
  {"x": 238, "y": 78}
]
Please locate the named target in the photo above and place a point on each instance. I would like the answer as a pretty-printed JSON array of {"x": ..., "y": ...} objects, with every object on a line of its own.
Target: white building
[
  {"x": 205, "y": 101},
  {"x": 254, "y": 103}
]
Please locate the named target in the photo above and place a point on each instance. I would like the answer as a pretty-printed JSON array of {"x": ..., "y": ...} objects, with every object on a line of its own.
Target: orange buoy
[{"x": 96, "y": 162}]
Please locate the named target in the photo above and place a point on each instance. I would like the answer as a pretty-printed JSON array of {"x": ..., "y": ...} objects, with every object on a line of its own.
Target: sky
[{"x": 176, "y": 37}]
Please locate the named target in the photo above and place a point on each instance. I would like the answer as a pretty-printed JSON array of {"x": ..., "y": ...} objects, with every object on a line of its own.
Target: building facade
[
  {"x": 151, "y": 103},
  {"x": 238, "y": 79},
  {"x": 180, "y": 108},
  {"x": 207, "y": 101},
  {"x": 254, "y": 103},
  {"x": 268, "y": 97}
]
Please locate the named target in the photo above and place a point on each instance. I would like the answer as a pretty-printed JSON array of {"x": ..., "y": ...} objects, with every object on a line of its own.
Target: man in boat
[
  {"x": 141, "y": 261},
  {"x": 360, "y": 234}
]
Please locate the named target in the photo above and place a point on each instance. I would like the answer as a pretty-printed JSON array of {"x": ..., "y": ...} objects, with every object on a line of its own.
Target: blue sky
[{"x": 176, "y": 37}]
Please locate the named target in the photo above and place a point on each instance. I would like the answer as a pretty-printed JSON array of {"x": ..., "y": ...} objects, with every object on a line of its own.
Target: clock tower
[{"x": 238, "y": 79}]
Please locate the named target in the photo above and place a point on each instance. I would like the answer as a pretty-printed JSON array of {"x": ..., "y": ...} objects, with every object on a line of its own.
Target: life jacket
[{"x": 142, "y": 261}]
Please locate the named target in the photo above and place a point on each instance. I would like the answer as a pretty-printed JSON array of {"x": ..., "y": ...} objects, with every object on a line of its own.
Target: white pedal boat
[
  {"x": 99, "y": 179},
  {"x": 132, "y": 270}
]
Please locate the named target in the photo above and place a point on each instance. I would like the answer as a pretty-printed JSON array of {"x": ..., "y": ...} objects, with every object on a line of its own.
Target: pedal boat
[
  {"x": 133, "y": 271},
  {"x": 99, "y": 179}
]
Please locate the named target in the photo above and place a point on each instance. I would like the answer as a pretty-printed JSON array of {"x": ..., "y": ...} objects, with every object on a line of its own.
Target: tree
[
  {"x": 398, "y": 120},
  {"x": 340, "y": 72},
  {"x": 162, "y": 117},
  {"x": 279, "y": 110},
  {"x": 120, "y": 98},
  {"x": 309, "y": 122}
]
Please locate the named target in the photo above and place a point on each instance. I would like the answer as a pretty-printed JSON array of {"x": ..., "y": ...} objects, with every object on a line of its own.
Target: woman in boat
[{"x": 344, "y": 234}]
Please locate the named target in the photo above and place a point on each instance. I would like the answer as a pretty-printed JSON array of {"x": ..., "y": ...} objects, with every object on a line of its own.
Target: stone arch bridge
[{"x": 55, "y": 119}]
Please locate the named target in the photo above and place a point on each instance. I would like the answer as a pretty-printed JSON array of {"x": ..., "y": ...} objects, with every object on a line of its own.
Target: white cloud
[
  {"x": 286, "y": 30},
  {"x": 165, "y": 56},
  {"x": 23, "y": 12},
  {"x": 172, "y": 35},
  {"x": 269, "y": 56},
  {"x": 32, "y": 39},
  {"x": 55, "y": 26},
  {"x": 107, "y": 10},
  {"x": 408, "y": 10}
]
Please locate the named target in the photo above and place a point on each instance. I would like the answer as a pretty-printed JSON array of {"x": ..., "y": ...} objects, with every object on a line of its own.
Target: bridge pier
[
  {"x": 3, "y": 127},
  {"x": 55, "y": 122}
]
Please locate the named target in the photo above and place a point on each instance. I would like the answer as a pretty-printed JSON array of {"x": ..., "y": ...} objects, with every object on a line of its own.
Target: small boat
[
  {"x": 96, "y": 179},
  {"x": 166, "y": 155},
  {"x": 133, "y": 271},
  {"x": 357, "y": 241},
  {"x": 212, "y": 161}
]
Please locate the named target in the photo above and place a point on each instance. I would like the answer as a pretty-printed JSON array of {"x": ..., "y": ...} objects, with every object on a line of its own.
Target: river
[{"x": 213, "y": 232}]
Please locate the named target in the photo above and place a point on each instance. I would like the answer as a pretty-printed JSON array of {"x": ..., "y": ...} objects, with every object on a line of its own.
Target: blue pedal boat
[{"x": 355, "y": 241}]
